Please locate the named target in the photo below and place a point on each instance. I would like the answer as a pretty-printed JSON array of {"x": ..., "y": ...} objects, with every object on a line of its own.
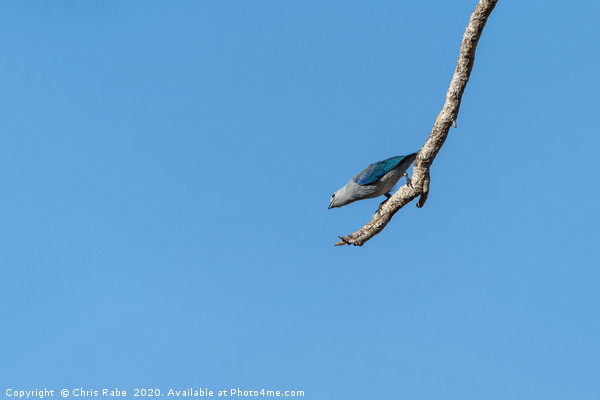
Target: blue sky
[{"x": 166, "y": 169}]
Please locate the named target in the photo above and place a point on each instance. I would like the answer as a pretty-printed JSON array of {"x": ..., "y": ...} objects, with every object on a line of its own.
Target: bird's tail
[{"x": 412, "y": 157}]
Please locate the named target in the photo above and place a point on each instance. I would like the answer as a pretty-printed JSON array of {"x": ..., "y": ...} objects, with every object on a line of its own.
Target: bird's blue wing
[{"x": 375, "y": 171}]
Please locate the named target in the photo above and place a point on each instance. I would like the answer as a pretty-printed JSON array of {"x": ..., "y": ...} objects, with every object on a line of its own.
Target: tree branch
[{"x": 437, "y": 137}]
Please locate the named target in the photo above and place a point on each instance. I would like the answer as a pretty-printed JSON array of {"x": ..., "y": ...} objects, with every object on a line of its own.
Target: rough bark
[{"x": 437, "y": 137}]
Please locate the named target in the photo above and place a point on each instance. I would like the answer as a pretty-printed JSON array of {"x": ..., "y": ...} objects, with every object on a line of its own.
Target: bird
[{"x": 378, "y": 179}]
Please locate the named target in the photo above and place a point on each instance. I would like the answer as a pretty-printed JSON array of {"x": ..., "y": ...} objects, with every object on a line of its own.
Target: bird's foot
[
  {"x": 381, "y": 205},
  {"x": 408, "y": 180}
]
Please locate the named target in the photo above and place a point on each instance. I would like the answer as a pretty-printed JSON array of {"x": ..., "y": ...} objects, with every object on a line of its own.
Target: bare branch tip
[{"x": 342, "y": 242}]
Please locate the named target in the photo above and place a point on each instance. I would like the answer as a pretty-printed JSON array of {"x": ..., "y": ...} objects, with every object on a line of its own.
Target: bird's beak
[{"x": 330, "y": 206}]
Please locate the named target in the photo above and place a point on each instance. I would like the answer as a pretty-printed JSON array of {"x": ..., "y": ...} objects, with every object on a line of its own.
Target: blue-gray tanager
[{"x": 376, "y": 180}]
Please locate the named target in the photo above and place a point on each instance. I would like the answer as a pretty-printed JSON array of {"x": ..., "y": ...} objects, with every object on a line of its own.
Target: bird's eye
[{"x": 333, "y": 195}]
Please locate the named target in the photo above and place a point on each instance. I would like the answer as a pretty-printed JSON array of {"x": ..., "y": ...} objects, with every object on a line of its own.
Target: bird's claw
[
  {"x": 408, "y": 180},
  {"x": 381, "y": 206}
]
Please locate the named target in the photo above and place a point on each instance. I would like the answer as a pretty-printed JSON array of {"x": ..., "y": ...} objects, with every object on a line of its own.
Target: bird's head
[
  {"x": 339, "y": 198},
  {"x": 332, "y": 203}
]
